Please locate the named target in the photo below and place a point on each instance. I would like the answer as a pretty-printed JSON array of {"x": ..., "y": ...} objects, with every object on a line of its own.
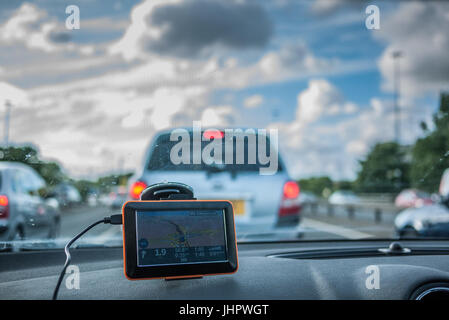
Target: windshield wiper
[{"x": 394, "y": 249}]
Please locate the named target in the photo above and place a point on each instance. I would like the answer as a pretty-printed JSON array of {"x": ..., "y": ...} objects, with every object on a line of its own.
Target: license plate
[{"x": 239, "y": 207}]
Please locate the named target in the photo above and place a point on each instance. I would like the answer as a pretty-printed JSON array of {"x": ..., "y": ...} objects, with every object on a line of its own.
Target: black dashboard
[{"x": 287, "y": 270}]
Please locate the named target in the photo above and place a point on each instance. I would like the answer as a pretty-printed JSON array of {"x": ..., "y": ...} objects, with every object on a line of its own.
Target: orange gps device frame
[{"x": 176, "y": 270}]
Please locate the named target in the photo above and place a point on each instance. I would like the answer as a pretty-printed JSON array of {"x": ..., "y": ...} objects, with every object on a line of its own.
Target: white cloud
[
  {"x": 36, "y": 30},
  {"x": 419, "y": 31},
  {"x": 253, "y": 101},
  {"x": 287, "y": 63},
  {"x": 356, "y": 147},
  {"x": 169, "y": 102},
  {"x": 218, "y": 116},
  {"x": 116, "y": 111},
  {"x": 13, "y": 94},
  {"x": 325, "y": 7},
  {"x": 132, "y": 104},
  {"x": 104, "y": 24},
  {"x": 319, "y": 98},
  {"x": 189, "y": 28},
  {"x": 31, "y": 26},
  {"x": 332, "y": 147}
]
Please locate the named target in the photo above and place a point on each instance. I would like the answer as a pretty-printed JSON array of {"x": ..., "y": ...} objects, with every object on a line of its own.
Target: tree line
[{"x": 53, "y": 173}]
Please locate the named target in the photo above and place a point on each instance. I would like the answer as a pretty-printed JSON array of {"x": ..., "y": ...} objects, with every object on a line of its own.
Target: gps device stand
[{"x": 169, "y": 191}]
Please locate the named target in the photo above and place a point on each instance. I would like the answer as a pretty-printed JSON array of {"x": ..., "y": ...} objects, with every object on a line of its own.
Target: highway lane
[
  {"x": 312, "y": 227},
  {"x": 74, "y": 220}
]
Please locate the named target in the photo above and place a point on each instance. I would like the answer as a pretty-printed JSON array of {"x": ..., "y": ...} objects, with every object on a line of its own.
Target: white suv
[{"x": 262, "y": 203}]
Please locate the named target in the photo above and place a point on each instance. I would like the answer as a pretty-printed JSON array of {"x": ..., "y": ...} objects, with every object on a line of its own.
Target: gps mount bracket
[{"x": 168, "y": 191}]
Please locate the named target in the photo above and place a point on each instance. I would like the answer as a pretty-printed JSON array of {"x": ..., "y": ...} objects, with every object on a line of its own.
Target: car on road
[
  {"x": 25, "y": 211},
  {"x": 426, "y": 221},
  {"x": 444, "y": 185},
  {"x": 308, "y": 200},
  {"x": 412, "y": 198},
  {"x": 344, "y": 198},
  {"x": 261, "y": 202},
  {"x": 117, "y": 197},
  {"x": 67, "y": 195}
]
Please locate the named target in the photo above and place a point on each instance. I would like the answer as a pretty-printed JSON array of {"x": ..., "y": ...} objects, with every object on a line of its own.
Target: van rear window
[{"x": 160, "y": 157}]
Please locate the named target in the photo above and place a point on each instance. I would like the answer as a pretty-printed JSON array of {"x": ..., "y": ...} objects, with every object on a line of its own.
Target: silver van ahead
[{"x": 262, "y": 203}]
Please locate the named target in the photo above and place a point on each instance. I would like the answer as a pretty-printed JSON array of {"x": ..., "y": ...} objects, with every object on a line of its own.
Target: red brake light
[
  {"x": 4, "y": 201},
  {"x": 291, "y": 190},
  {"x": 289, "y": 204},
  {"x": 136, "y": 189},
  {"x": 216, "y": 134},
  {"x": 4, "y": 206}
]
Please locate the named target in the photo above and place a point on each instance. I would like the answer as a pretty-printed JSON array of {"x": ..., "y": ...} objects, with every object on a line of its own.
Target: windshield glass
[{"x": 317, "y": 119}]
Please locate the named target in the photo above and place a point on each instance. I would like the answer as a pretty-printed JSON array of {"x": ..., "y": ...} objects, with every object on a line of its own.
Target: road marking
[{"x": 332, "y": 228}]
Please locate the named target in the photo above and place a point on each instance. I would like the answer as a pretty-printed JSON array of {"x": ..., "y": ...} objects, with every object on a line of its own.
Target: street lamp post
[
  {"x": 397, "y": 121},
  {"x": 8, "y": 106}
]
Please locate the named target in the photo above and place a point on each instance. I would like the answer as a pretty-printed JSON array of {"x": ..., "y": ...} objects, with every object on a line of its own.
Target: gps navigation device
[{"x": 178, "y": 239}]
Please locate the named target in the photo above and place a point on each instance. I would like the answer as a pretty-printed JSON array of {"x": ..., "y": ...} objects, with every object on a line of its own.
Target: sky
[{"x": 92, "y": 98}]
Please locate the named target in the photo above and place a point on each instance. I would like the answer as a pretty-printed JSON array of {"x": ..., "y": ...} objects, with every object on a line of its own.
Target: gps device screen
[{"x": 180, "y": 237}]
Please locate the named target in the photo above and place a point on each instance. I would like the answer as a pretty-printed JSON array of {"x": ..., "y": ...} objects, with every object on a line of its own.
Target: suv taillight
[
  {"x": 291, "y": 190},
  {"x": 290, "y": 203},
  {"x": 4, "y": 206},
  {"x": 136, "y": 189}
]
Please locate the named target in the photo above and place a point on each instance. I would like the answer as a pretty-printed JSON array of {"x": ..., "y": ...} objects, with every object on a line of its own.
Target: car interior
[{"x": 224, "y": 150}]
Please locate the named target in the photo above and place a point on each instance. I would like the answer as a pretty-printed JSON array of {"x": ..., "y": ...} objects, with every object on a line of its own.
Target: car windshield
[{"x": 316, "y": 119}]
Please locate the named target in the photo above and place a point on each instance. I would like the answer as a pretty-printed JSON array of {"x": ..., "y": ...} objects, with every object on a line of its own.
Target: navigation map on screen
[{"x": 183, "y": 236}]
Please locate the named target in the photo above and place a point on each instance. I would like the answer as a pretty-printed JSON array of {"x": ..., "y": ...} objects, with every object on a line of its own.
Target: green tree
[
  {"x": 430, "y": 155},
  {"x": 84, "y": 187},
  {"x": 316, "y": 185},
  {"x": 385, "y": 169},
  {"x": 344, "y": 185},
  {"x": 50, "y": 171},
  {"x": 107, "y": 182}
]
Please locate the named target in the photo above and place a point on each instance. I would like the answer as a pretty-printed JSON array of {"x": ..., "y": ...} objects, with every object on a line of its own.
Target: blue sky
[{"x": 309, "y": 69}]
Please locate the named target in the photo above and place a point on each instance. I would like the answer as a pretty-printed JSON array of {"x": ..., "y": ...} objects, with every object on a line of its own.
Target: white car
[
  {"x": 261, "y": 202},
  {"x": 343, "y": 198},
  {"x": 427, "y": 221}
]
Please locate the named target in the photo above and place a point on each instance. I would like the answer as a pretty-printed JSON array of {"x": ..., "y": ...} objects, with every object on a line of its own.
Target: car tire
[
  {"x": 409, "y": 233},
  {"x": 18, "y": 235},
  {"x": 55, "y": 229}
]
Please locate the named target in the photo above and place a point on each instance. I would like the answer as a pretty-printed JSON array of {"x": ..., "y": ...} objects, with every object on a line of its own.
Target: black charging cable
[{"x": 114, "y": 219}]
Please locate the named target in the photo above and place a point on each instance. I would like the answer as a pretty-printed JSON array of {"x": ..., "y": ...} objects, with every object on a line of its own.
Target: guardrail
[{"x": 378, "y": 209}]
